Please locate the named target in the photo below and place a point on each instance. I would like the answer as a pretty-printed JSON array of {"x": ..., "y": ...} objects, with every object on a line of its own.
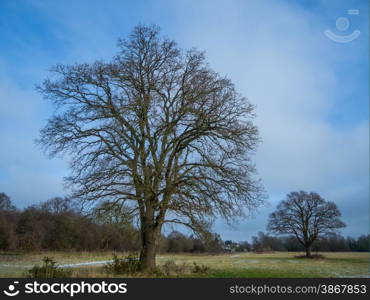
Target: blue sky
[{"x": 312, "y": 93}]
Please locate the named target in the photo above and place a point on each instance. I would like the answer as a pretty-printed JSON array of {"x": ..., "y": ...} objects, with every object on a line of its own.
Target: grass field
[{"x": 278, "y": 264}]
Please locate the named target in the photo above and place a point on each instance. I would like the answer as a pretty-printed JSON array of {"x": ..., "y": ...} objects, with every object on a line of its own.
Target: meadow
[{"x": 245, "y": 264}]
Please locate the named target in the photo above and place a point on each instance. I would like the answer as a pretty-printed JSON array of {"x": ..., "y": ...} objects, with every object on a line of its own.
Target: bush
[
  {"x": 124, "y": 265},
  {"x": 200, "y": 269},
  {"x": 170, "y": 268},
  {"x": 49, "y": 269}
]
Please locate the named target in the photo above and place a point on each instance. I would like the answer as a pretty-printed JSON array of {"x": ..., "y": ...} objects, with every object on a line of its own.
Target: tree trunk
[
  {"x": 308, "y": 251},
  {"x": 149, "y": 242}
]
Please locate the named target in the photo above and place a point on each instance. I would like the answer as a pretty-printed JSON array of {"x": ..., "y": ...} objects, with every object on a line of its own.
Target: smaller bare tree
[
  {"x": 6, "y": 203},
  {"x": 307, "y": 216}
]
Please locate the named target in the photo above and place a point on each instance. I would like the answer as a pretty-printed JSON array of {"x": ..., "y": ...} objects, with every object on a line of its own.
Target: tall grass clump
[
  {"x": 48, "y": 269},
  {"x": 123, "y": 265}
]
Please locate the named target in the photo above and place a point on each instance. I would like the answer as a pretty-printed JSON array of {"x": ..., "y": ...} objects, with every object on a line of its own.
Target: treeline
[
  {"x": 58, "y": 225},
  {"x": 178, "y": 242},
  {"x": 334, "y": 242}
]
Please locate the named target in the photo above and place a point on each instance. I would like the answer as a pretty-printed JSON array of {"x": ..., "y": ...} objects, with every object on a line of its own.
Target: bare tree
[
  {"x": 58, "y": 205},
  {"x": 155, "y": 128},
  {"x": 6, "y": 203},
  {"x": 307, "y": 216},
  {"x": 113, "y": 213}
]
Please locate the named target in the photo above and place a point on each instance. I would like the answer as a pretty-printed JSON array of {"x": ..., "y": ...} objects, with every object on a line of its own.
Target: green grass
[{"x": 277, "y": 264}]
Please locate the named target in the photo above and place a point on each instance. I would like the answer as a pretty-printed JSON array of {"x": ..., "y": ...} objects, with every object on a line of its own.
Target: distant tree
[
  {"x": 363, "y": 243},
  {"x": 351, "y": 242},
  {"x": 213, "y": 242},
  {"x": 5, "y": 203},
  {"x": 63, "y": 233},
  {"x": 291, "y": 243},
  {"x": 198, "y": 244},
  {"x": 306, "y": 215},
  {"x": 179, "y": 242},
  {"x": 8, "y": 237},
  {"x": 118, "y": 230},
  {"x": 244, "y": 246},
  {"x": 58, "y": 205},
  {"x": 264, "y": 242},
  {"x": 331, "y": 242},
  {"x": 8, "y": 216},
  {"x": 158, "y": 129},
  {"x": 32, "y": 229},
  {"x": 113, "y": 213}
]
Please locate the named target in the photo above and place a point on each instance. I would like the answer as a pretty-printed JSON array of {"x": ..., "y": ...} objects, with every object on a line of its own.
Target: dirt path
[{"x": 90, "y": 263}]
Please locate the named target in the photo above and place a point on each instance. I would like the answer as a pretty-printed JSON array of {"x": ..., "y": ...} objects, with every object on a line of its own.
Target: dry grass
[{"x": 278, "y": 264}]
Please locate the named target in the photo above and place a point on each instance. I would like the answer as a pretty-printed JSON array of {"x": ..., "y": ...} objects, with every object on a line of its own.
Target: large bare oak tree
[
  {"x": 307, "y": 216},
  {"x": 158, "y": 130}
]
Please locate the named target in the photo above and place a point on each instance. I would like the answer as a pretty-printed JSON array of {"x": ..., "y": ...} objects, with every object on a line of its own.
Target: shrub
[
  {"x": 200, "y": 269},
  {"x": 170, "y": 268},
  {"x": 49, "y": 269},
  {"x": 124, "y": 265}
]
